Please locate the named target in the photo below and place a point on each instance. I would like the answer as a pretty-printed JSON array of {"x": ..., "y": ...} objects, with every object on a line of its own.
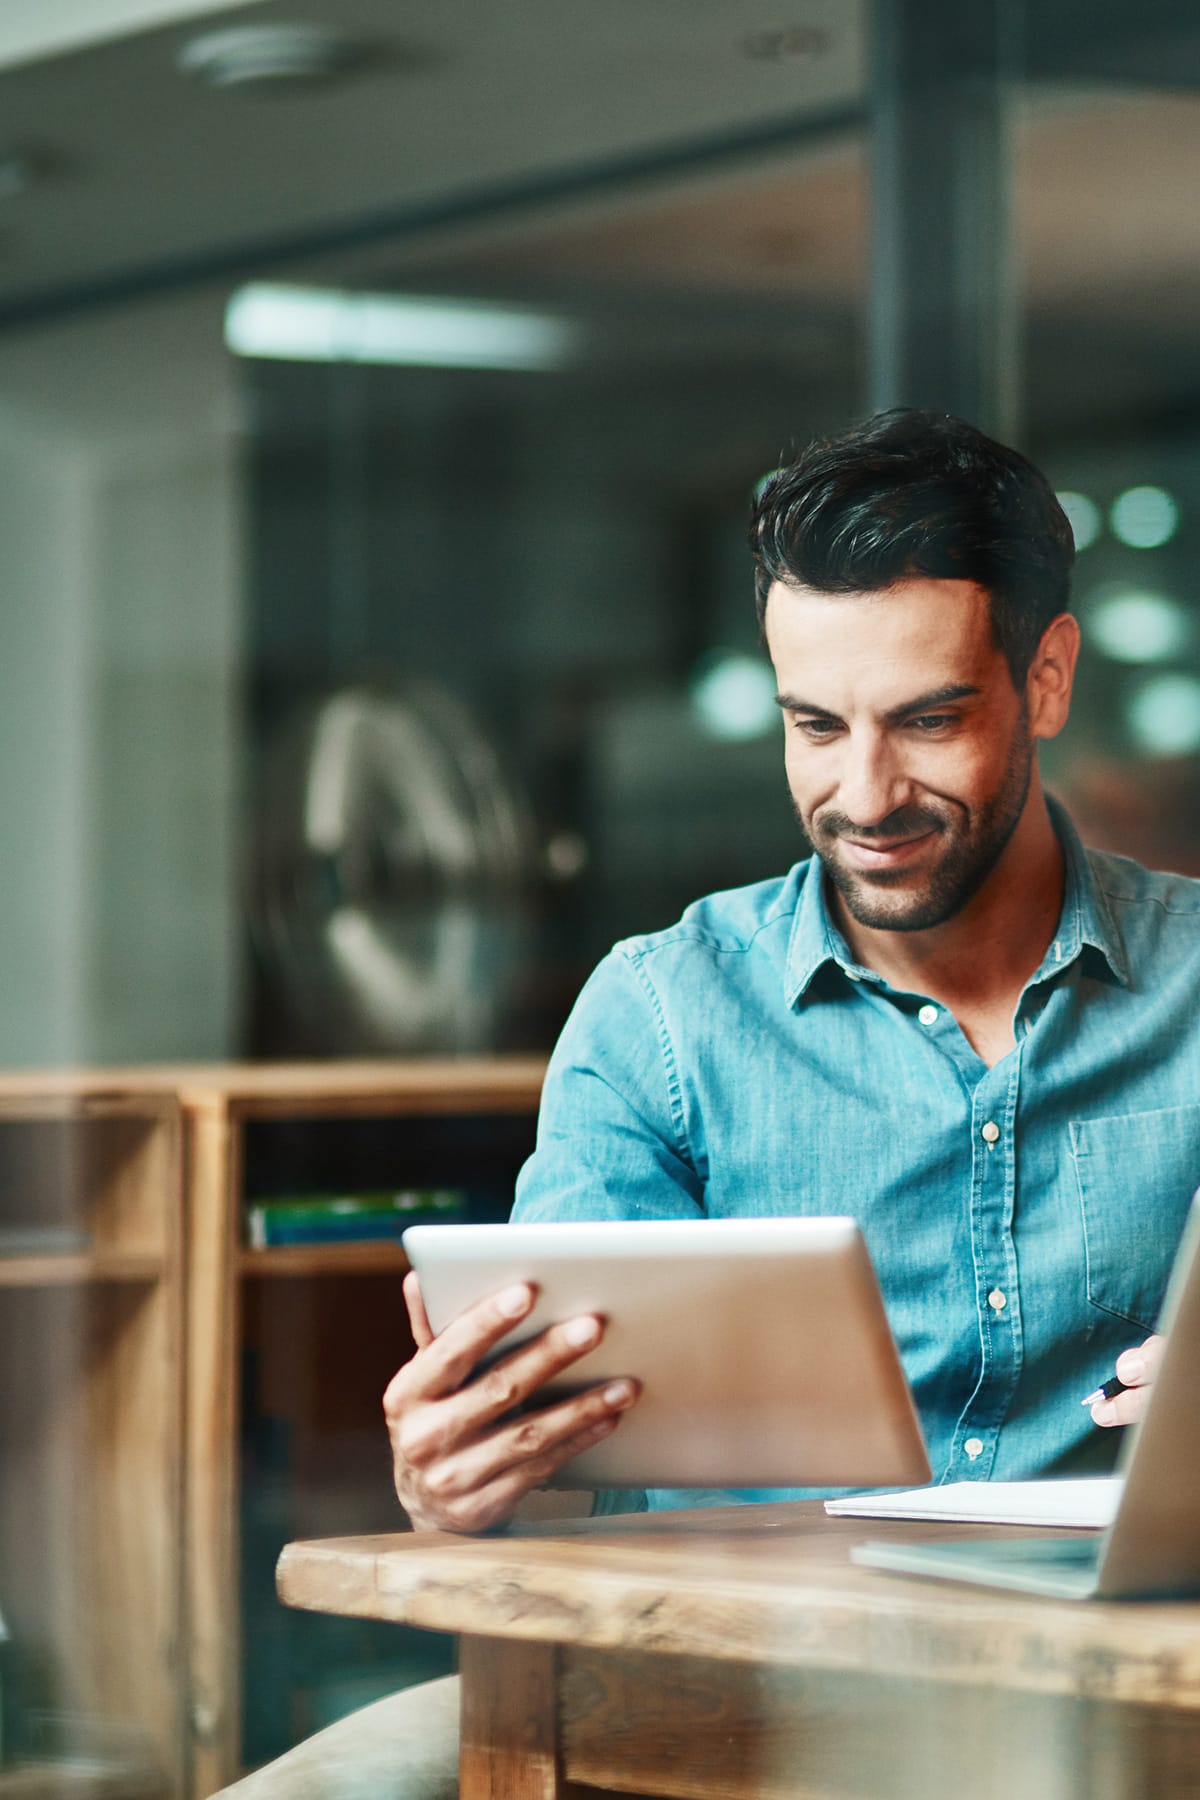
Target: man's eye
[
  {"x": 816, "y": 728},
  {"x": 932, "y": 721}
]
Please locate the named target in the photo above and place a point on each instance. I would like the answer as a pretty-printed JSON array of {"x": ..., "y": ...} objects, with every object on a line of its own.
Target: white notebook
[{"x": 1087, "y": 1501}]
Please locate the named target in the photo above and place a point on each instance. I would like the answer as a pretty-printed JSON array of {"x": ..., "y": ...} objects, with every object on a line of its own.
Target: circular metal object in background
[
  {"x": 392, "y": 869},
  {"x": 253, "y": 57}
]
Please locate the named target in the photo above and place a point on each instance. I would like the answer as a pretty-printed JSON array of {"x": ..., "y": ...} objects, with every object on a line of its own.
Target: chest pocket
[{"x": 1136, "y": 1175}]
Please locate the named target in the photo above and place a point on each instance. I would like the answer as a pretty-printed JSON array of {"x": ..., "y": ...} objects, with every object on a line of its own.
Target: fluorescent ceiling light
[{"x": 304, "y": 324}]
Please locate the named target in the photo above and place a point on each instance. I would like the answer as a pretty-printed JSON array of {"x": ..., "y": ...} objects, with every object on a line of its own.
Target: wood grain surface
[
  {"x": 767, "y": 1585},
  {"x": 714, "y": 1730}
]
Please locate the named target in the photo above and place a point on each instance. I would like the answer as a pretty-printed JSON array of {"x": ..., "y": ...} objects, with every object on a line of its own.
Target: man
[{"x": 950, "y": 1021}]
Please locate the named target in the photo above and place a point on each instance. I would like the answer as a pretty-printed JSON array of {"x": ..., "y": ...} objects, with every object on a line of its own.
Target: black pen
[{"x": 1112, "y": 1387}]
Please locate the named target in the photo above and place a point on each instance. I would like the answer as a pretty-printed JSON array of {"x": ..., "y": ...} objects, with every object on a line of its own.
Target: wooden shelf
[
  {"x": 370, "y": 1257},
  {"x": 91, "y": 1550},
  {"x": 315, "y": 1089},
  {"x": 139, "y": 1416},
  {"x": 72, "y": 1781},
  {"x": 84, "y": 1268},
  {"x": 301, "y": 1362}
]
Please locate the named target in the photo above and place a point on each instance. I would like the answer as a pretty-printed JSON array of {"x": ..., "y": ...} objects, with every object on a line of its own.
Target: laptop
[
  {"x": 1151, "y": 1550},
  {"x": 762, "y": 1346}
]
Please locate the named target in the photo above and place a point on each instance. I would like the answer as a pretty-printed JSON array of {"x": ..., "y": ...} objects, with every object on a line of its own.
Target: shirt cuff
[{"x": 619, "y": 1500}]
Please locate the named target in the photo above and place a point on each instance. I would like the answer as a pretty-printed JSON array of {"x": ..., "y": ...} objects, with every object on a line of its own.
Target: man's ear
[{"x": 1051, "y": 677}]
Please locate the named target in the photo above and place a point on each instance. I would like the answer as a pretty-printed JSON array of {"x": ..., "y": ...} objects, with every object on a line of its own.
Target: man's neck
[{"x": 977, "y": 963}]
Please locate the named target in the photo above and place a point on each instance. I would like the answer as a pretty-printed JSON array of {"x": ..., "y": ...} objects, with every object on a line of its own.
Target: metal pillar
[{"x": 942, "y": 313}]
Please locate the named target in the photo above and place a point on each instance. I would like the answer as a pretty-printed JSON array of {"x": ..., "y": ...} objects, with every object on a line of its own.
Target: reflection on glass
[{"x": 624, "y": 272}]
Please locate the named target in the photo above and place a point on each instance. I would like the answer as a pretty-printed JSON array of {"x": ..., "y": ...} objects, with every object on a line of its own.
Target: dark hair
[{"x": 919, "y": 493}]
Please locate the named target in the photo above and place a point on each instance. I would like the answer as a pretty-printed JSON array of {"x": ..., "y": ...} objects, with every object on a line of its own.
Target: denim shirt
[{"x": 1022, "y": 1219}]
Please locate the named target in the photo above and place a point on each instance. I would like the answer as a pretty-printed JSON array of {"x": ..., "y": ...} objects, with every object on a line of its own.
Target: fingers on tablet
[{"x": 448, "y": 1360}]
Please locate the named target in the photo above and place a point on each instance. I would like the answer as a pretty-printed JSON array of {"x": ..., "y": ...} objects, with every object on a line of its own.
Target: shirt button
[
  {"x": 928, "y": 1015},
  {"x": 973, "y": 1447},
  {"x": 991, "y": 1132},
  {"x": 997, "y": 1300}
]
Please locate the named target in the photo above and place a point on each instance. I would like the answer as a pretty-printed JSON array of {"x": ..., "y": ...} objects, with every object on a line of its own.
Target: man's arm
[
  {"x": 613, "y": 1129},
  {"x": 463, "y": 1456},
  {"x": 611, "y": 1144}
]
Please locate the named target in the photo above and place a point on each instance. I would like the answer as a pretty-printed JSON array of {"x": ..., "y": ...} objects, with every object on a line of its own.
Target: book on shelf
[{"x": 348, "y": 1218}]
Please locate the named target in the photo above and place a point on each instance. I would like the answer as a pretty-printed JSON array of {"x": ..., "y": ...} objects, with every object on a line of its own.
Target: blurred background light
[
  {"x": 308, "y": 324},
  {"x": 1084, "y": 517},
  {"x": 733, "y": 696},
  {"x": 1132, "y": 625},
  {"x": 1144, "y": 517},
  {"x": 1163, "y": 715}
]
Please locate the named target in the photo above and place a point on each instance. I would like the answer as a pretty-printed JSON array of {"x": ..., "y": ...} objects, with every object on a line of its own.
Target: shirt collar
[
  {"x": 815, "y": 940},
  {"x": 1085, "y": 920}
]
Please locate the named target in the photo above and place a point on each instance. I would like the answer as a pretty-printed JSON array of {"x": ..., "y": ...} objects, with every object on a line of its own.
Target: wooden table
[{"x": 738, "y": 1651}]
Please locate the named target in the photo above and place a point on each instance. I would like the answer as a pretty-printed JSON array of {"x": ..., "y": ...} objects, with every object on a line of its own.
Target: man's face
[{"x": 909, "y": 752}]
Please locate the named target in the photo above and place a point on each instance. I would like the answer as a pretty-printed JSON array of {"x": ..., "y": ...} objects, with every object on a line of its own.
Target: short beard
[{"x": 966, "y": 865}]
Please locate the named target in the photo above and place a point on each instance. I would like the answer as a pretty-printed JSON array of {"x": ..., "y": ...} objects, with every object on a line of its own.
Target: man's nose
[{"x": 871, "y": 785}]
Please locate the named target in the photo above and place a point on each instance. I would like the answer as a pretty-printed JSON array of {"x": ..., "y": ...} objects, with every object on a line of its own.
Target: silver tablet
[{"x": 762, "y": 1345}]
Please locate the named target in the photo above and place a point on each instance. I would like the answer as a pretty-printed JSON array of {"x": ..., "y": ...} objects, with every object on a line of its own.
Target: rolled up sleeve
[{"x": 611, "y": 1142}]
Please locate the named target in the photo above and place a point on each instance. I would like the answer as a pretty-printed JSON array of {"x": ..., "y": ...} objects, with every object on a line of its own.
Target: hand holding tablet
[
  {"x": 721, "y": 1323},
  {"x": 461, "y": 1460}
]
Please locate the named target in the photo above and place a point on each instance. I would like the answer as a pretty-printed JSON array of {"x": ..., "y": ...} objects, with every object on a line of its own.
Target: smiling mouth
[{"x": 871, "y": 854}]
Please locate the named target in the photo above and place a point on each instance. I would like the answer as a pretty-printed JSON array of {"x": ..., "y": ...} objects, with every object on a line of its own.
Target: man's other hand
[
  {"x": 1137, "y": 1369},
  {"x": 463, "y": 1456}
]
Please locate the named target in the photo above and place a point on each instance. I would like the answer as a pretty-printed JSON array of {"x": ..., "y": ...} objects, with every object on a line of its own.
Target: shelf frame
[
  {"x": 217, "y": 1105},
  {"x": 92, "y": 1345}
]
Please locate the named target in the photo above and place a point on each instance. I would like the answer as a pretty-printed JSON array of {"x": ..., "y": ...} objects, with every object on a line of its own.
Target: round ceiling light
[{"x": 246, "y": 58}]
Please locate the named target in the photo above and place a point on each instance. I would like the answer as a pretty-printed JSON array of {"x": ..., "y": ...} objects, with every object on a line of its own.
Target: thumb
[{"x": 418, "y": 1318}]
